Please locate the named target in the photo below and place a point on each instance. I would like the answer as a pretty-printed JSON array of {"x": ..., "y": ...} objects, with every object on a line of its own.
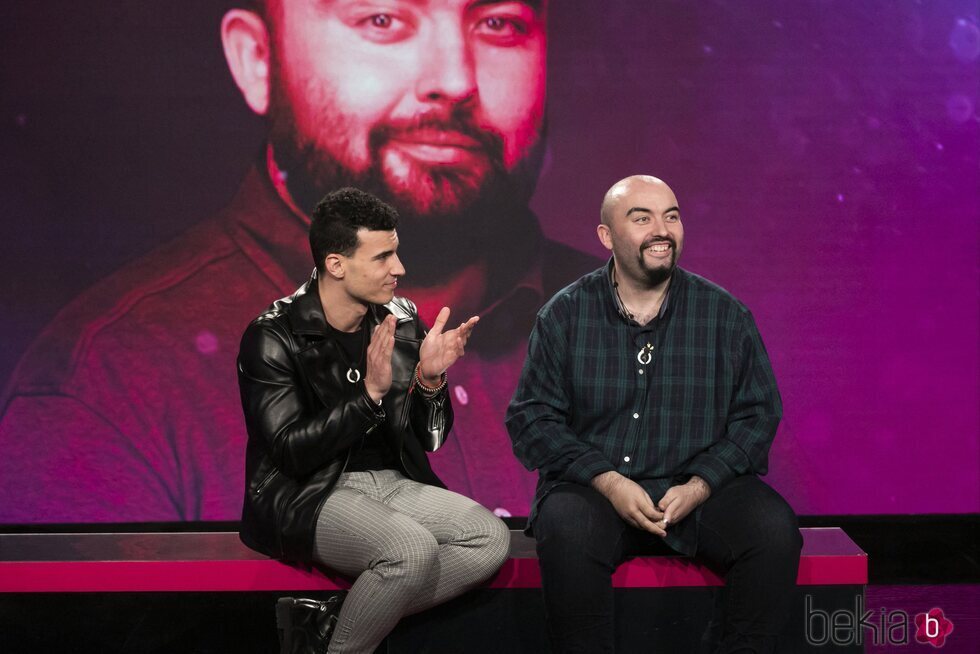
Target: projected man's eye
[
  {"x": 502, "y": 27},
  {"x": 384, "y": 28},
  {"x": 497, "y": 23},
  {"x": 381, "y": 20}
]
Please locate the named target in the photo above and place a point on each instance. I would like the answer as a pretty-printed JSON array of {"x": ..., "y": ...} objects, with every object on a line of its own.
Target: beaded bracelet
[{"x": 428, "y": 390}]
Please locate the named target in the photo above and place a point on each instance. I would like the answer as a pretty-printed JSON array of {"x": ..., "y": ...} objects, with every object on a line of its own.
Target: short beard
[
  {"x": 657, "y": 276},
  {"x": 468, "y": 215}
]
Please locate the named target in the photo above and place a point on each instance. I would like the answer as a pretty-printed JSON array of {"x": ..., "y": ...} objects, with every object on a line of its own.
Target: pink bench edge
[{"x": 270, "y": 575}]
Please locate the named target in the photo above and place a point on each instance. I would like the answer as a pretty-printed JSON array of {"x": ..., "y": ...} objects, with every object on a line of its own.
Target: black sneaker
[{"x": 306, "y": 625}]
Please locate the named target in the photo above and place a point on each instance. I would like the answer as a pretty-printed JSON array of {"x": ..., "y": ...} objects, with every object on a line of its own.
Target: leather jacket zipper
[
  {"x": 265, "y": 482},
  {"x": 404, "y": 426},
  {"x": 403, "y": 418}
]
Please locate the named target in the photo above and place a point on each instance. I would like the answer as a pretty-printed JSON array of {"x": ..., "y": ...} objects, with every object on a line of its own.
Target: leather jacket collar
[{"x": 306, "y": 317}]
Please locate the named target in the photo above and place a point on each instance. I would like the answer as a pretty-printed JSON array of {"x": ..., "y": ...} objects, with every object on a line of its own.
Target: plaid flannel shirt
[{"x": 705, "y": 404}]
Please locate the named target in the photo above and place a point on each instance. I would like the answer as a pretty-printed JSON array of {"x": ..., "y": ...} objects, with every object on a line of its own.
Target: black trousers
[{"x": 746, "y": 531}]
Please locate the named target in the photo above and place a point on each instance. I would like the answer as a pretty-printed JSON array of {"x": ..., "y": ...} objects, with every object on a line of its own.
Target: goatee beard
[{"x": 657, "y": 276}]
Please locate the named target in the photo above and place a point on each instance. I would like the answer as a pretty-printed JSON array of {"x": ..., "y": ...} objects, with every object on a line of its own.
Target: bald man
[{"x": 647, "y": 405}]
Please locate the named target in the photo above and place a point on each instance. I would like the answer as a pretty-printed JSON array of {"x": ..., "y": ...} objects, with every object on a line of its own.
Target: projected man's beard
[{"x": 464, "y": 208}]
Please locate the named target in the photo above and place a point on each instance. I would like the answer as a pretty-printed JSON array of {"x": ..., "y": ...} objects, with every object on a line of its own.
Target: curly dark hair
[{"x": 338, "y": 216}]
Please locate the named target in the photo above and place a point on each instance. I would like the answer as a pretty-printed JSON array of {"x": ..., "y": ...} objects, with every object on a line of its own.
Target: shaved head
[
  {"x": 623, "y": 188},
  {"x": 641, "y": 225}
]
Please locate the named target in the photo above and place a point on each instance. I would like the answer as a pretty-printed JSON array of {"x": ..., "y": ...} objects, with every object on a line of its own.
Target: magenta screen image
[{"x": 160, "y": 160}]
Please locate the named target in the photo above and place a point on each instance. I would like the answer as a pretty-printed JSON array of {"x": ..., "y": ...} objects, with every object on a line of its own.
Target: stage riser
[{"x": 489, "y": 621}]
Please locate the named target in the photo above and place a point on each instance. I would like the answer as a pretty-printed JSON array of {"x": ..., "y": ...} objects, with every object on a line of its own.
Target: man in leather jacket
[{"x": 343, "y": 392}]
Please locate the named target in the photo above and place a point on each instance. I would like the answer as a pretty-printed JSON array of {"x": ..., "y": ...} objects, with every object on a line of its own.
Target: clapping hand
[
  {"x": 377, "y": 374},
  {"x": 441, "y": 349}
]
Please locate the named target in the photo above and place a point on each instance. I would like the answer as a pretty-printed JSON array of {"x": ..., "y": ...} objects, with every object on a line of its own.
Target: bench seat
[{"x": 218, "y": 561}]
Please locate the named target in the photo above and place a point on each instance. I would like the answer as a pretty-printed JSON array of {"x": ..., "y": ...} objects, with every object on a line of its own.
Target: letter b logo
[{"x": 932, "y": 627}]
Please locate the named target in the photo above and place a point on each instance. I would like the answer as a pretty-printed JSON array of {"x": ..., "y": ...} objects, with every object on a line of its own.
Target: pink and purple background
[{"x": 826, "y": 156}]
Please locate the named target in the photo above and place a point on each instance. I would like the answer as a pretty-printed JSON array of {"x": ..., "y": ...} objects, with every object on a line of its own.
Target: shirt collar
[
  {"x": 618, "y": 302},
  {"x": 278, "y": 179},
  {"x": 306, "y": 311}
]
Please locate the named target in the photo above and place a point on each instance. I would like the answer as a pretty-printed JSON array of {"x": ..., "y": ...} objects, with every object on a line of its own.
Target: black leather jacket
[{"x": 303, "y": 416}]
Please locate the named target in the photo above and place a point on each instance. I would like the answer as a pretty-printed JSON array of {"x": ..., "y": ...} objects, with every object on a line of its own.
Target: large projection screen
[{"x": 824, "y": 155}]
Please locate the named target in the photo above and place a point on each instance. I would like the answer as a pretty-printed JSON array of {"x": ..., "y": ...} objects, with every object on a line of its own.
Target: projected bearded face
[{"x": 434, "y": 106}]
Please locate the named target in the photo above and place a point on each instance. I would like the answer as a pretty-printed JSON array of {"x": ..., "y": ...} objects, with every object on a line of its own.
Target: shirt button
[
  {"x": 640, "y": 371},
  {"x": 636, "y": 415},
  {"x": 461, "y": 395},
  {"x": 626, "y": 459}
]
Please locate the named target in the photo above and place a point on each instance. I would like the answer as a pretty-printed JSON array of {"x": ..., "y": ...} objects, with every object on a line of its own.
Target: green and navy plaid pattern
[{"x": 706, "y": 404}]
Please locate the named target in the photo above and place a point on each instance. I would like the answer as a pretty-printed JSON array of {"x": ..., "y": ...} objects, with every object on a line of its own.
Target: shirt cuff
[
  {"x": 712, "y": 470},
  {"x": 585, "y": 467}
]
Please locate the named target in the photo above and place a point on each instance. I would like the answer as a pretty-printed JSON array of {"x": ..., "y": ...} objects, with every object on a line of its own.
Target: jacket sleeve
[
  {"x": 431, "y": 417},
  {"x": 299, "y": 439},
  {"x": 538, "y": 415},
  {"x": 753, "y": 416}
]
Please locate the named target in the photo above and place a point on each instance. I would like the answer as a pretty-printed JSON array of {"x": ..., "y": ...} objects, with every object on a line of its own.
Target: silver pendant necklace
[
  {"x": 353, "y": 374},
  {"x": 645, "y": 354}
]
